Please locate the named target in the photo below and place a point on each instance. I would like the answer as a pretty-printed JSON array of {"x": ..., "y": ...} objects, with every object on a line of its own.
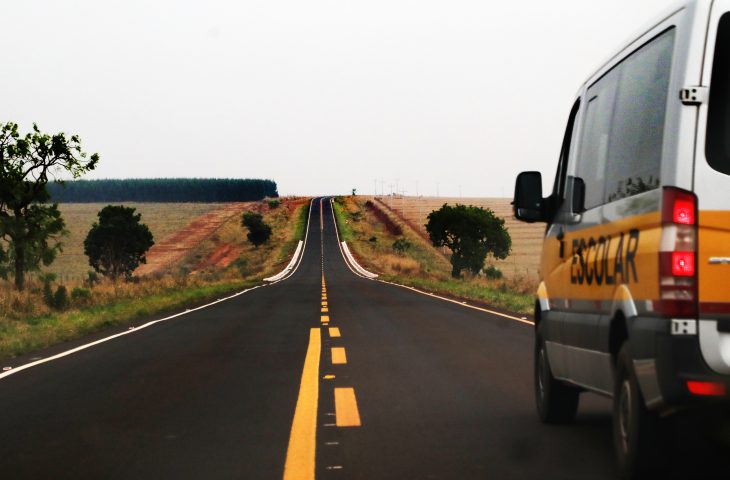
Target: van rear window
[{"x": 717, "y": 147}]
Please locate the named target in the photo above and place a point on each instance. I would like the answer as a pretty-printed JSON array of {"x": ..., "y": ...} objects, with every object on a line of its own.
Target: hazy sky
[{"x": 320, "y": 96}]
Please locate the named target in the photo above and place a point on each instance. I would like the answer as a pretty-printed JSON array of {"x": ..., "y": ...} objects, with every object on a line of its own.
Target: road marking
[
  {"x": 346, "y": 407},
  {"x": 485, "y": 310},
  {"x": 324, "y": 303},
  {"x": 300, "y": 455},
  {"x": 133, "y": 329},
  {"x": 329, "y": 377},
  {"x": 324, "y": 310},
  {"x": 324, "y": 318},
  {"x": 339, "y": 357},
  {"x": 334, "y": 332}
]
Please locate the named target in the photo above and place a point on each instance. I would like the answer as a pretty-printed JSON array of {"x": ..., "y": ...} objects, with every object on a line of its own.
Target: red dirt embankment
[{"x": 173, "y": 249}]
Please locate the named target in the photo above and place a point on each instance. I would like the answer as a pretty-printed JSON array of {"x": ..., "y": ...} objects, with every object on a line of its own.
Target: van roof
[{"x": 668, "y": 12}]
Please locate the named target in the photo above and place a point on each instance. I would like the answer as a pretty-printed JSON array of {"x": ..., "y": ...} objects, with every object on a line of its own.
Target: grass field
[
  {"x": 526, "y": 237},
  {"x": 199, "y": 273},
  {"x": 163, "y": 220},
  {"x": 422, "y": 265}
]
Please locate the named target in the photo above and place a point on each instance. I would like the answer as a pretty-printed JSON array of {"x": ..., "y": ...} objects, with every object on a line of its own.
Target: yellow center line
[
  {"x": 324, "y": 303},
  {"x": 339, "y": 357},
  {"x": 334, "y": 332},
  {"x": 346, "y": 408},
  {"x": 324, "y": 310},
  {"x": 300, "y": 455}
]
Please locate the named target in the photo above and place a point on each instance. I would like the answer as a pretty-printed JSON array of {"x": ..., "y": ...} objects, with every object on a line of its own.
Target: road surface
[{"x": 246, "y": 389}]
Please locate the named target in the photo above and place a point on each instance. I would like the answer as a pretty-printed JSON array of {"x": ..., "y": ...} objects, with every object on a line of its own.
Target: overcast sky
[{"x": 320, "y": 96}]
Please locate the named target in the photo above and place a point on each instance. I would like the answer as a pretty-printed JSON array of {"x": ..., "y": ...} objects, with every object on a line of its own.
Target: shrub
[
  {"x": 274, "y": 204},
  {"x": 92, "y": 279},
  {"x": 80, "y": 295},
  {"x": 258, "y": 231},
  {"x": 116, "y": 245},
  {"x": 373, "y": 239},
  {"x": 401, "y": 246},
  {"x": 241, "y": 265},
  {"x": 60, "y": 298},
  {"x": 47, "y": 294},
  {"x": 493, "y": 272}
]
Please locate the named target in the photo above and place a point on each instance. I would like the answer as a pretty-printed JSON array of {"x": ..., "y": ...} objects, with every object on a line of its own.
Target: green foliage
[
  {"x": 258, "y": 231},
  {"x": 401, "y": 246},
  {"x": 80, "y": 294},
  {"x": 117, "y": 244},
  {"x": 209, "y": 190},
  {"x": 373, "y": 239},
  {"x": 274, "y": 204},
  {"x": 354, "y": 192},
  {"x": 48, "y": 294},
  {"x": 241, "y": 265},
  {"x": 60, "y": 298},
  {"x": 30, "y": 228},
  {"x": 493, "y": 272},
  {"x": 92, "y": 279},
  {"x": 471, "y": 233}
]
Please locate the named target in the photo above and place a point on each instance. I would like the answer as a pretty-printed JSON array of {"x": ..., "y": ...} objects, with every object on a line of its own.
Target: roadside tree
[
  {"x": 471, "y": 233},
  {"x": 118, "y": 242},
  {"x": 258, "y": 231},
  {"x": 29, "y": 227}
]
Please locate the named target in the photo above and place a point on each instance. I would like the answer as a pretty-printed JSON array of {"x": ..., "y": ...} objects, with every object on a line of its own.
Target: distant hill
[{"x": 161, "y": 190}]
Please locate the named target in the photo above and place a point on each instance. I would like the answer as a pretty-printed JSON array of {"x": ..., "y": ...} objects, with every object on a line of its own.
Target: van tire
[
  {"x": 636, "y": 430},
  {"x": 557, "y": 403}
]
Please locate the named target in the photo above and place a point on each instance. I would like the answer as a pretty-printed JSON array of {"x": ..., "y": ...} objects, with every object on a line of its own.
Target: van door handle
[{"x": 561, "y": 238}]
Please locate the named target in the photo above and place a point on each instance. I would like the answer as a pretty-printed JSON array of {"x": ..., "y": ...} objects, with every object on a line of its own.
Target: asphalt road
[{"x": 429, "y": 388}]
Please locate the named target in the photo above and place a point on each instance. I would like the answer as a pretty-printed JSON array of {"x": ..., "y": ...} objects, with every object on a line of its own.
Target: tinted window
[
  {"x": 717, "y": 148},
  {"x": 637, "y": 128},
  {"x": 597, "y": 128},
  {"x": 621, "y": 151}
]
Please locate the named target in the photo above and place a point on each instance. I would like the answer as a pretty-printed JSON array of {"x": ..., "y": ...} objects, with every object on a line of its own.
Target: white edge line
[
  {"x": 355, "y": 264},
  {"x": 428, "y": 294},
  {"x": 26, "y": 366}
]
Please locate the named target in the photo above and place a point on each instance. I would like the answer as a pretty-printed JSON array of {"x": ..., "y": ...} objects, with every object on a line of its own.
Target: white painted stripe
[
  {"x": 112, "y": 337},
  {"x": 354, "y": 263},
  {"x": 66, "y": 353}
]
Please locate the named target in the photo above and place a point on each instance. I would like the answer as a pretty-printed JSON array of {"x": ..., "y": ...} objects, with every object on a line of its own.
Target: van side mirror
[
  {"x": 578, "y": 188},
  {"x": 528, "y": 201}
]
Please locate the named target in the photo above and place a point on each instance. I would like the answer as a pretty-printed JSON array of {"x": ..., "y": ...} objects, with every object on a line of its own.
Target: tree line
[
  {"x": 31, "y": 225},
  {"x": 208, "y": 190}
]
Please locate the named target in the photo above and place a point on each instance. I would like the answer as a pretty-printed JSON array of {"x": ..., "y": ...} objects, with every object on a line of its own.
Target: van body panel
[
  {"x": 712, "y": 187},
  {"x": 604, "y": 263}
]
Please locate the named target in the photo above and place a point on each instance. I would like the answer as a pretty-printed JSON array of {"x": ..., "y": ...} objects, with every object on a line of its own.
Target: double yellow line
[{"x": 301, "y": 452}]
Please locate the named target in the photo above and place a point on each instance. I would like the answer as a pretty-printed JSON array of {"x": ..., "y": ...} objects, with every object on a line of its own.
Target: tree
[
  {"x": 117, "y": 244},
  {"x": 470, "y": 233},
  {"x": 30, "y": 228},
  {"x": 258, "y": 231}
]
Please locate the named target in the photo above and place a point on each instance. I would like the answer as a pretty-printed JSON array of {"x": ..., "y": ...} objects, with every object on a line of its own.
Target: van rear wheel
[
  {"x": 556, "y": 402},
  {"x": 637, "y": 439}
]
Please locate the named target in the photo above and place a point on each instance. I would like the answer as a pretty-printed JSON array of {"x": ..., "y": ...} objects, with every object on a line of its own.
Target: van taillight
[{"x": 678, "y": 254}]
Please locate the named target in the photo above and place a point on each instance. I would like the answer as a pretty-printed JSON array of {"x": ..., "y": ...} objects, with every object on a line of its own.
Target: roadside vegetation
[
  {"x": 52, "y": 309},
  {"x": 398, "y": 253}
]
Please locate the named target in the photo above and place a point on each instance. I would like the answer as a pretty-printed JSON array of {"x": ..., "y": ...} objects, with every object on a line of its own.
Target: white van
[{"x": 634, "y": 299}]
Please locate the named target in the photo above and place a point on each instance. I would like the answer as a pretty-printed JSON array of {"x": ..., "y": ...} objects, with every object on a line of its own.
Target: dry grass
[
  {"x": 27, "y": 323},
  {"x": 524, "y": 261},
  {"x": 422, "y": 265},
  {"x": 163, "y": 219}
]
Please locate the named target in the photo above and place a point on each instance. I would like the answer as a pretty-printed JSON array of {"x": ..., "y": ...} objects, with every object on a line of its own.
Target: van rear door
[{"x": 712, "y": 187}]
